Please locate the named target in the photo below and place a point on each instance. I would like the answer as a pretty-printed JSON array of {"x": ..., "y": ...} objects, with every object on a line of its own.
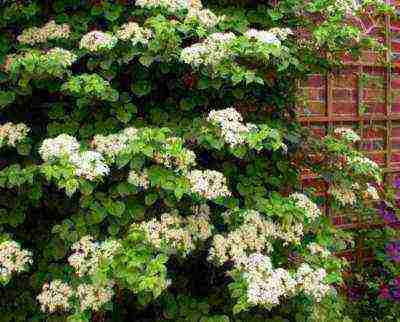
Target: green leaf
[{"x": 151, "y": 198}]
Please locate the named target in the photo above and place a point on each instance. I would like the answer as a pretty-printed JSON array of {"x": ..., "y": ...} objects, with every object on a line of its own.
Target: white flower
[
  {"x": 342, "y": 194},
  {"x": 281, "y": 33},
  {"x": 140, "y": 180},
  {"x": 364, "y": 166},
  {"x": 88, "y": 255},
  {"x": 211, "y": 52},
  {"x": 302, "y": 201},
  {"x": 209, "y": 183},
  {"x": 133, "y": 32},
  {"x": 113, "y": 144},
  {"x": 175, "y": 234},
  {"x": 50, "y": 30},
  {"x": 372, "y": 192},
  {"x": 311, "y": 282},
  {"x": 205, "y": 17},
  {"x": 316, "y": 249},
  {"x": 63, "y": 145},
  {"x": 61, "y": 56},
  {"x": 266, "y": 285},
  {"x": 347, "y": 134},
  {"x": 12, "y": 134},
  {"x": 263, "y": 36},
  {"x": 13, "y": 259},
  {"x": 89, "y": 165},
  {"x": 173, "y": 6},
  {"x": 230, "y": 123},
  {"x": 93, "y": 297},
  {"x": 55, "y": 297},
  {"x": 97, "y": 40}
]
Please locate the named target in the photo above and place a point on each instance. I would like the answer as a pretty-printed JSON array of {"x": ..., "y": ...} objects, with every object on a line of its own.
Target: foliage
[{"x": 151, "y": 160}]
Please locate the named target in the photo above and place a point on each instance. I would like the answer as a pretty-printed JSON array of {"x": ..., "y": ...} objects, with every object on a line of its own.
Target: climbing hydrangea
[
  {"x": 89, "y": 254},
  {"x": 97, "y": 40},
  {"x": 231, "y": 125},
  {"x": 55, "y": 296},
  {"x": 210, "y": 52},
  {"x": 176, "y": 234},
  {"x": 209, "y": 183},
  {"x": 49, "y": 31},
  {"x": 13, "y": 259},
  {"x": 12, "y": 134},
  {"x": 312, "y": 211},
  {"x": 133, "y": 32}
]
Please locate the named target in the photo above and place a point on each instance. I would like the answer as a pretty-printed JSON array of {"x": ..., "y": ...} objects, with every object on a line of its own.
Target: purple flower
[
  {"x": 387, "y": 213},
  {"x": 393, "y": 251},
  {"x": 396, "y": 183},
  {"x": 396, "y": 294},
  {"x": 354, "y": 293}
]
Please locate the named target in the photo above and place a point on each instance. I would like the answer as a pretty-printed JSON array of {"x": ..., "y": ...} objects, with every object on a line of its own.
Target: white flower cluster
[
  {"x": 211, "y": 52},
  {"x": 55, "y": 297},
  {"x": 88, "y": 164},
  {"x": 209, "y": 184},
  {"x": 61, "y": 56},
  {"x": 342, "y": 194},
  {"x": 13, "y": 259},
  {"x": 231, "y": 125},
  {"x": 311, "y": 282},
  {"x": 140, "y": 180},
  {"x": 316, "y": 249},
  {"x": 97, "y": 40},
  {"x": 254, "y": 235},
  {"x": 205, "y": 17},
  {"x": 50, "y": 30},
  {"x": 266, "y": 285},
  {"x": 93, "y": 297},
  {"x": 371, "y": 192},
  {"x": 347, "y": 134},
  {"x": 133, "y": 32},
  {"x": 263, "y": 36},
  {"x": 173, "y": 6},
  {"x": 364, "y": 166},
  {"x": 113, "y": 144},
  {"x": 88, "y": 255},
  {"x": 12, "y": 134},
  {"x": 176, "y": 234},
  {"x": 281, "y": 33},
  {"x": 302, "y": 201},
  {"x": 57, "y": 58},
  {"x": 61, "y": 146}
]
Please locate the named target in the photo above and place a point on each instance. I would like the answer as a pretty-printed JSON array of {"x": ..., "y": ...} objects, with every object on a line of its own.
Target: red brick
[
  {"x": 345, "y": 108},
  {"x": 374, "y": 107},
  {"x": 315, "y": 81},
  {"x": 314, "y": 94},
  {"x": 344, "y": 94},
  {"x": 373, "y": 95},
  {"x": 395, "y": 157},
  {"x": 345, "y": 81},
  {"x": 395, "y": 132},
  {"x": 395, "y": 83}
]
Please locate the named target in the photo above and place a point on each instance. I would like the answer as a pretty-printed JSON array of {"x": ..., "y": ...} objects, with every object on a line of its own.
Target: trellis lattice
[{"x": 364, "y": 95}]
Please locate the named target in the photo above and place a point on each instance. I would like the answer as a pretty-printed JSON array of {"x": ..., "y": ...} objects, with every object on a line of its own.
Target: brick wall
[{"x": 363, "y": 95}]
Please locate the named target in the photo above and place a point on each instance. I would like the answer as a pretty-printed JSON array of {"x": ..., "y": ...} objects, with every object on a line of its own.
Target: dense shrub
[{"x": 151, "y": 160}]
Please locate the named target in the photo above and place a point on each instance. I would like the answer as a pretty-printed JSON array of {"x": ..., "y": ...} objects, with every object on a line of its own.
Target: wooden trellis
[{"x": 363, "y": 95}]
